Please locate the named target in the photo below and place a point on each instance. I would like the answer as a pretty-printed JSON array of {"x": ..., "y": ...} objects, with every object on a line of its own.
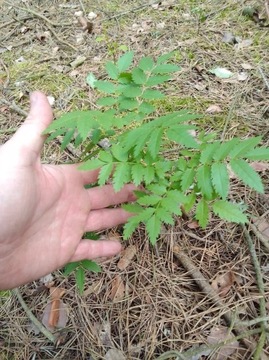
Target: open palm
[{"x": 45, "y": 209}]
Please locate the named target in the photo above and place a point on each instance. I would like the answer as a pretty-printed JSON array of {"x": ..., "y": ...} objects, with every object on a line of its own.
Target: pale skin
[{"x": 45, "y": 209}]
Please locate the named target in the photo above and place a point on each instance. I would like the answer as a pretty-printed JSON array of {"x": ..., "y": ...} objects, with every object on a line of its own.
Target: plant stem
[{"x": 31, "y": 316}]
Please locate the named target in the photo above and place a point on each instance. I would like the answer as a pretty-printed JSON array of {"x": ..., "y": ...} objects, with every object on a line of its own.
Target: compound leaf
[
  {"x": 247, "y": 174},
  {"x": 220, "y": 179},
  {"x": 202, "y": 213},
  {"x": 125, "y": 61},
  {"x": 230, "y": 212}
]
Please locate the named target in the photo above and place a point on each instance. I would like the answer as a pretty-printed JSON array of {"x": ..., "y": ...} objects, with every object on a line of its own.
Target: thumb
[{"x": 28, "y": 138}]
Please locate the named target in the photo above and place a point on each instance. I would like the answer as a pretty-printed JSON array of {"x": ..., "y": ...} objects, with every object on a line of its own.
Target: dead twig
[
  {"x": 33, "y": 319},
  {"x": 264, "y": 77},
  {"x": 260, "y": 284},
  {"x": 7, "y": 72},
  {"x": 260, "y": 236},
  {"x": 14, "y": 107},
  {"x": 59, "y": 39},
  {"x": 266, "y": 5},
  {"x": 40, "y": 16},
  {"x": 229, "y": 317}
]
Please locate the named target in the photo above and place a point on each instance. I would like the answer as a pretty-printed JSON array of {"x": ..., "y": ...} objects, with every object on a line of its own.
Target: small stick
[
  {"x": 260, "y": 236},
  {"x": 260, "y": 284},
  {"x": 14, "y": 107},
  {"x": 38, "y": 15},
  {"x": 266, "y": 5},
  {"x": 264, "y": 77},
  {"x": 31, "y": 316},
  {"x": 7, "y": 72}
]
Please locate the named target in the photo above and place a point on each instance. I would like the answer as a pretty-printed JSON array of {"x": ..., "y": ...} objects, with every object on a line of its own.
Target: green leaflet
[
  {"x": 153, "y": 227},
  {"x": 187, "y": 179},
  {"x": 125, "y": 61},
  {"x": 224, "y": 149},
  {"x": 112, "y": 70},
  {"x": 220, "y": 179},
  {"x": 149, "y": 200},
  {"x": 131, "y": 91},
  {"x": 146, "y": 63},
  {"x": 208, "y": 152},
  {"x": 67, "y": 138},
  {"x": 202, "y": 213},
  {"x": 182, "y": 136},
  {"x": 139, "y": 77},
  {"x": 260, "y": 153},
  {"x": 80, "y": 279},
  {"x": 247, "y": 174},
  {"x": 105, "y": 173},
  {"x": 155, "y": 142},
  {"x": 163, "y": 58},
  {"x": 133, "y": 208},
  {"x": 203, "y": 177},
  {"x": 164, "y": 216},
  {"x": 70, "y": 267},
  {"x": 157, "y": 80},
  {"x": 230, "y": 212},
  {"x": 107, "y": 101},
  {"x": 152, "y": 94},
  {"x": 165, "y": 68},
  {"x": 137, "y": 172},
  {"x": 69, "y": 120},
  {"x": 149, "y": 174},
  {"x": 121, "y": 175},
  {"x": 91, "y": 164},
  {"x": 91, "y": 266},
  {"x": 244, "y": 146},
  {"x": 105, "y": 86}
]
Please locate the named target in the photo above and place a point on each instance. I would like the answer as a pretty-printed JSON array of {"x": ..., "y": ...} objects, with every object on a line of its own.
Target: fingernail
[{"x": 34, "y": 98}]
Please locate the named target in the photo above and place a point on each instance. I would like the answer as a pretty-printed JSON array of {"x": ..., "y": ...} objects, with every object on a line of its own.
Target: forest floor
[{"x": 160, "y": 305}]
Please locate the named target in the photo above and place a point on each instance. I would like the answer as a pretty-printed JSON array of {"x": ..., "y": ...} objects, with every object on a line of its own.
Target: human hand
[{"x": 45, "y": 209}]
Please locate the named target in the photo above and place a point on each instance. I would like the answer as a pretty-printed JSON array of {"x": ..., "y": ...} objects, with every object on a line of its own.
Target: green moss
[{"x": 4, "y": 296}]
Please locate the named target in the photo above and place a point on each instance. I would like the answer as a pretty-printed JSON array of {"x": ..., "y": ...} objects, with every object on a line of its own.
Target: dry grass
[{"x": 162, "y": 308}]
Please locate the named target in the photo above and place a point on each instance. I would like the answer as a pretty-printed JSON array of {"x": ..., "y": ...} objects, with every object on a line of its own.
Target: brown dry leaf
[
  {"x": 55, "y": 312},
  {"x": 127, "y": 256},
  {"x": 259, "y": 166},
  {"x": 263, "y": 227},
  {"x": 87, "y": 26},
  {"x": 213, "y": 109},
  {"x": 219, "y": 334},
  {"x": 118, "y": 289},
  {"x": 114, "y": 354},
  {"x": 62, "y": 315},
  {"x": 193, "y": 225},
  {"x": 222, "y": 283}
]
